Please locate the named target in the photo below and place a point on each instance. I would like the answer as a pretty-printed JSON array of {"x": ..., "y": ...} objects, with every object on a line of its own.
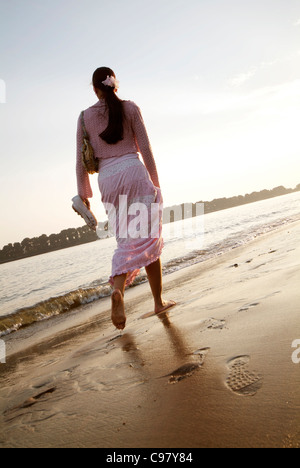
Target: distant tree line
[
  {"x": 224, "y": 203},
  {"x": 43, "y": 244},
  {"x": 82, "y": 235},
  {"x": 219, "y": 204}
]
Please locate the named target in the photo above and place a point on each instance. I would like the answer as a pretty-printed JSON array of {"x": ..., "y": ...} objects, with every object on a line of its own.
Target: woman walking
[{"x": 117, "y": 134}]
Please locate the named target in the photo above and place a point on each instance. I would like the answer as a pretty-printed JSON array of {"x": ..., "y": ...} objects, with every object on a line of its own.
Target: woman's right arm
[
  {"x": 83, "y": 181},
  {"x": 144, "y": 145}
]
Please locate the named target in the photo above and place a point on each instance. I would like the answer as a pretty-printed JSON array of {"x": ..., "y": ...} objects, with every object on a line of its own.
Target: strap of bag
[{"x": 83, "y": 126}]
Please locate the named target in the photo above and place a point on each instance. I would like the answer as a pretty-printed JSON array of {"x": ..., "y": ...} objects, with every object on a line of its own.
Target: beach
[{"x": 214, "y": 371}]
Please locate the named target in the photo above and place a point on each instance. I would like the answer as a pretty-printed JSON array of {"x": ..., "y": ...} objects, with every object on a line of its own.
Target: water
[{"x": 39, "y": 287}]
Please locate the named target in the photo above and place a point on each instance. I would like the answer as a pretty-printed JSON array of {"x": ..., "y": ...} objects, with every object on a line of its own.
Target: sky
[{"x": 218, "y": 83}]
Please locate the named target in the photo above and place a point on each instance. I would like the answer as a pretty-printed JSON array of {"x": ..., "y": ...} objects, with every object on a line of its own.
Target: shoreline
[
  {"x": 75, "y": 299},
  {"x": 98, "y": 311},
  {"x": 215, "y": 371}
]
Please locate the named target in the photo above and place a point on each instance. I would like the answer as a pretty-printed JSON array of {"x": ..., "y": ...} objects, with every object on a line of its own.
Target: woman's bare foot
[
  {"x": 118, "y": 310},
  {"x": 163, "y": 306}
]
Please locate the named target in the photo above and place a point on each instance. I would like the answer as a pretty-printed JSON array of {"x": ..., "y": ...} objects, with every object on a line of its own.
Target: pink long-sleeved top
[{"x": 135, "y": 140}]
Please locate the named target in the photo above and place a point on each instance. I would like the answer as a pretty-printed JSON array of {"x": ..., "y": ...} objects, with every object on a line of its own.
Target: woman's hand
[{"x": 86, "y": 202}]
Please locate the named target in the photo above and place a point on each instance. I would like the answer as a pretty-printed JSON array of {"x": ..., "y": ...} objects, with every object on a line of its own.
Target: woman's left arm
[{"x": 83, "y": 181}]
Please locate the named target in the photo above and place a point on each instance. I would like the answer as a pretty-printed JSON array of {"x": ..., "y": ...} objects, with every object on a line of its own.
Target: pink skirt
[{"x": 134, "y": 207}]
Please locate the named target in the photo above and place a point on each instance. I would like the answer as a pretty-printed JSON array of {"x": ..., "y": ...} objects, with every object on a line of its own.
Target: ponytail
[{"x": 114, "y": 131}]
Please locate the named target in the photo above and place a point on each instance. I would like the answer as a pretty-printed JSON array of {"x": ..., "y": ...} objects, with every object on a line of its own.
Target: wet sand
[{"x": 215, "y": 371}]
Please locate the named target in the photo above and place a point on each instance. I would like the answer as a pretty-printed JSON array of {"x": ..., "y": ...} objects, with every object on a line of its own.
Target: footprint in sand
[
  {"x": 187, "y": 370},
  {"x": 18, "y": 411},
  {"x": 248, "y": 306},
  {"x": 201, "y": 353},
  {"x": 211, "y": 324},
  {"x": 240, "y": 380},
  {"x": 33, "y": 400}
]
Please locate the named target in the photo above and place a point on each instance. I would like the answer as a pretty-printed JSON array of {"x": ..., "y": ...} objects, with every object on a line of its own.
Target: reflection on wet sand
[
  {"x": 175, "y": 335},
  {"x": 190, "y": 361}
]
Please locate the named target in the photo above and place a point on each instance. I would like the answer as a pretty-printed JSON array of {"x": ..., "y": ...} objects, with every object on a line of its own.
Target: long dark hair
[{"x": 114, "y": 131}]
